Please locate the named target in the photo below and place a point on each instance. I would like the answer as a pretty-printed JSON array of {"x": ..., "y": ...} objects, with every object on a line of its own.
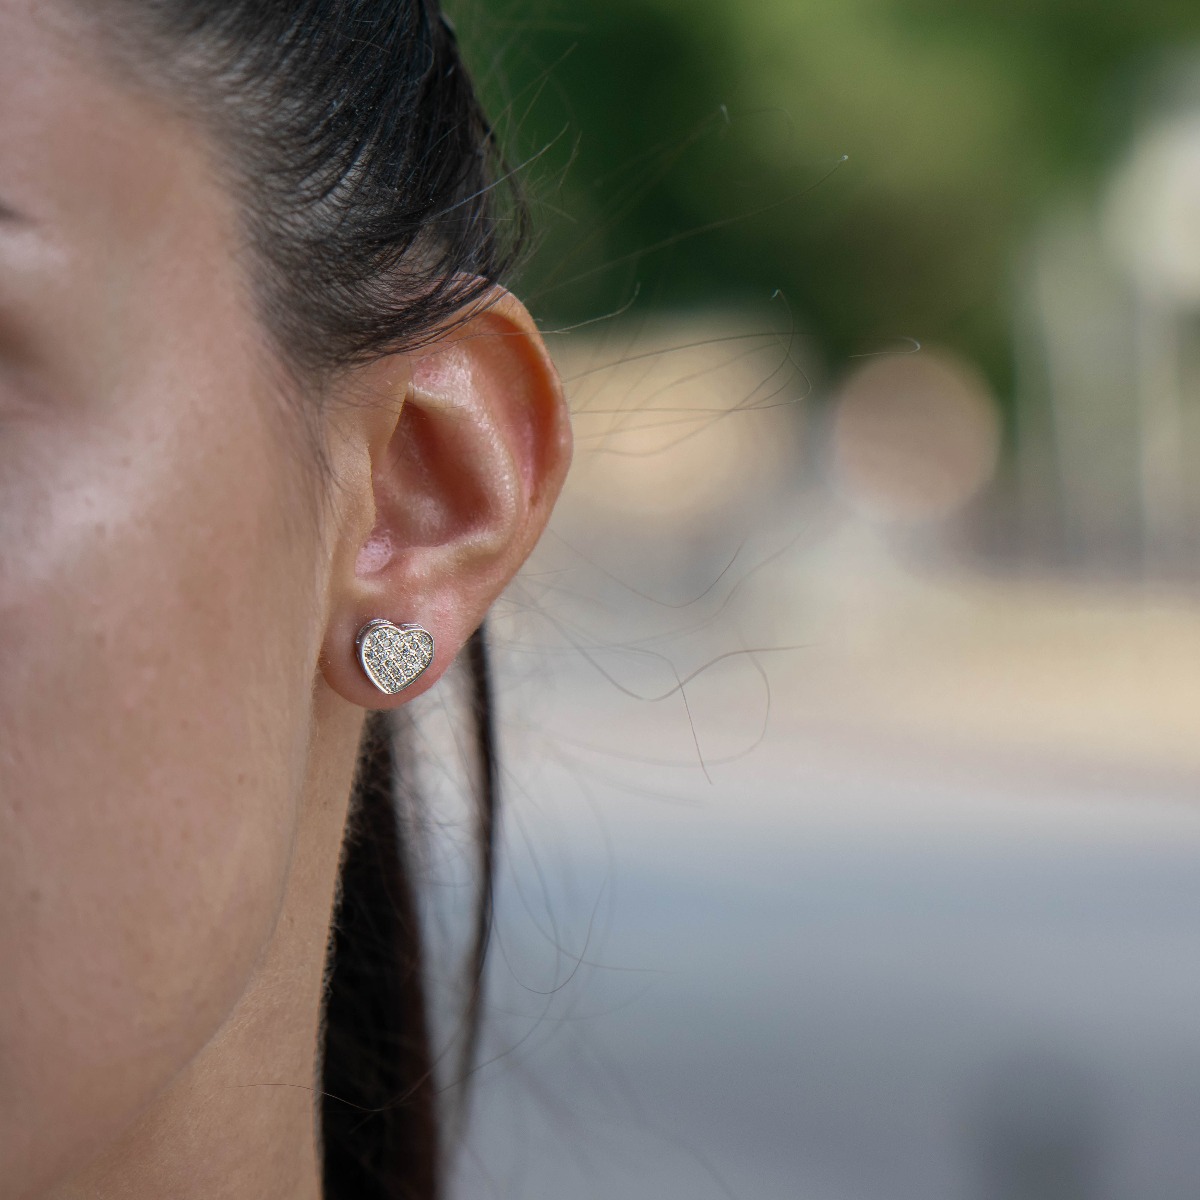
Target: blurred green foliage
[{"x": 689, "y": 151}]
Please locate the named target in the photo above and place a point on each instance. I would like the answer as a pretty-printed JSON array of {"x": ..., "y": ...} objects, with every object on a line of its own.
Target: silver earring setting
[{"x": 393, "y": 656}]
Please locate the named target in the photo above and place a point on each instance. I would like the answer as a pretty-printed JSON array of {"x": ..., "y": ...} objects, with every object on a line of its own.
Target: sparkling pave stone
[{"x": 393, "y": 656}]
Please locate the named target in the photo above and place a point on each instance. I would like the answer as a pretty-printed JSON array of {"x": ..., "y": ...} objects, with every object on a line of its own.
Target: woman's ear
[{"x": 453, "y": 487}]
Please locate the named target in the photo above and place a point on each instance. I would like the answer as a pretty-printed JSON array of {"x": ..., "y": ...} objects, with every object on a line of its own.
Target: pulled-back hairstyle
[
  {"x": 369, "y": 185},
  {"x": 369, "y": 176}
]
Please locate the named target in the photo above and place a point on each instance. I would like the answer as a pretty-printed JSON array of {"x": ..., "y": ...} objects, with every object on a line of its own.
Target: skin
[{"x": 180, "y": 589}]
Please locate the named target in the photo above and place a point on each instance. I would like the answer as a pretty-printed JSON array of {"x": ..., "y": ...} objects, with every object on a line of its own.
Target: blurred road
[{"x": 934, "y": 935}]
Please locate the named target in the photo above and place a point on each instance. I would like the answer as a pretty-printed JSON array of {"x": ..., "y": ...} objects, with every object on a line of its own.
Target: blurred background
[{"x": 851, "y": 708}]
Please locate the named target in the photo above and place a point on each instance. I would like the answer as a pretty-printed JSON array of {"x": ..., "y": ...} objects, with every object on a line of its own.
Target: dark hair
[
  {"x": 369, "y": 181},
  {"x": 376, "y": 206}
]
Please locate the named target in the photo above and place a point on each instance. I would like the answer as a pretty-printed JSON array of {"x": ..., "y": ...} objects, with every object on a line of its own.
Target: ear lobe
[{"x": 461, "y": 490}]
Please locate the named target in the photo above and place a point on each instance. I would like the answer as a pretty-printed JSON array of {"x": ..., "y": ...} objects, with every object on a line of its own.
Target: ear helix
[{"x": 393, "y": 657}]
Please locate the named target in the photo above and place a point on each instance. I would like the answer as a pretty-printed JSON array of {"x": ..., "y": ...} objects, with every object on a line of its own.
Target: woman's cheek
[{"x": 147, "y": 760}]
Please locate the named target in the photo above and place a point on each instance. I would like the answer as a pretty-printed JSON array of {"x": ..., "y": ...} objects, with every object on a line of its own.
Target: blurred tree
[{"x": 691, "y": 149}]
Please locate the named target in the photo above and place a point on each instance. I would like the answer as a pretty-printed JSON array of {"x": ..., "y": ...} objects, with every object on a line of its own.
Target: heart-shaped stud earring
[{"x": 393, "y": 656}]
